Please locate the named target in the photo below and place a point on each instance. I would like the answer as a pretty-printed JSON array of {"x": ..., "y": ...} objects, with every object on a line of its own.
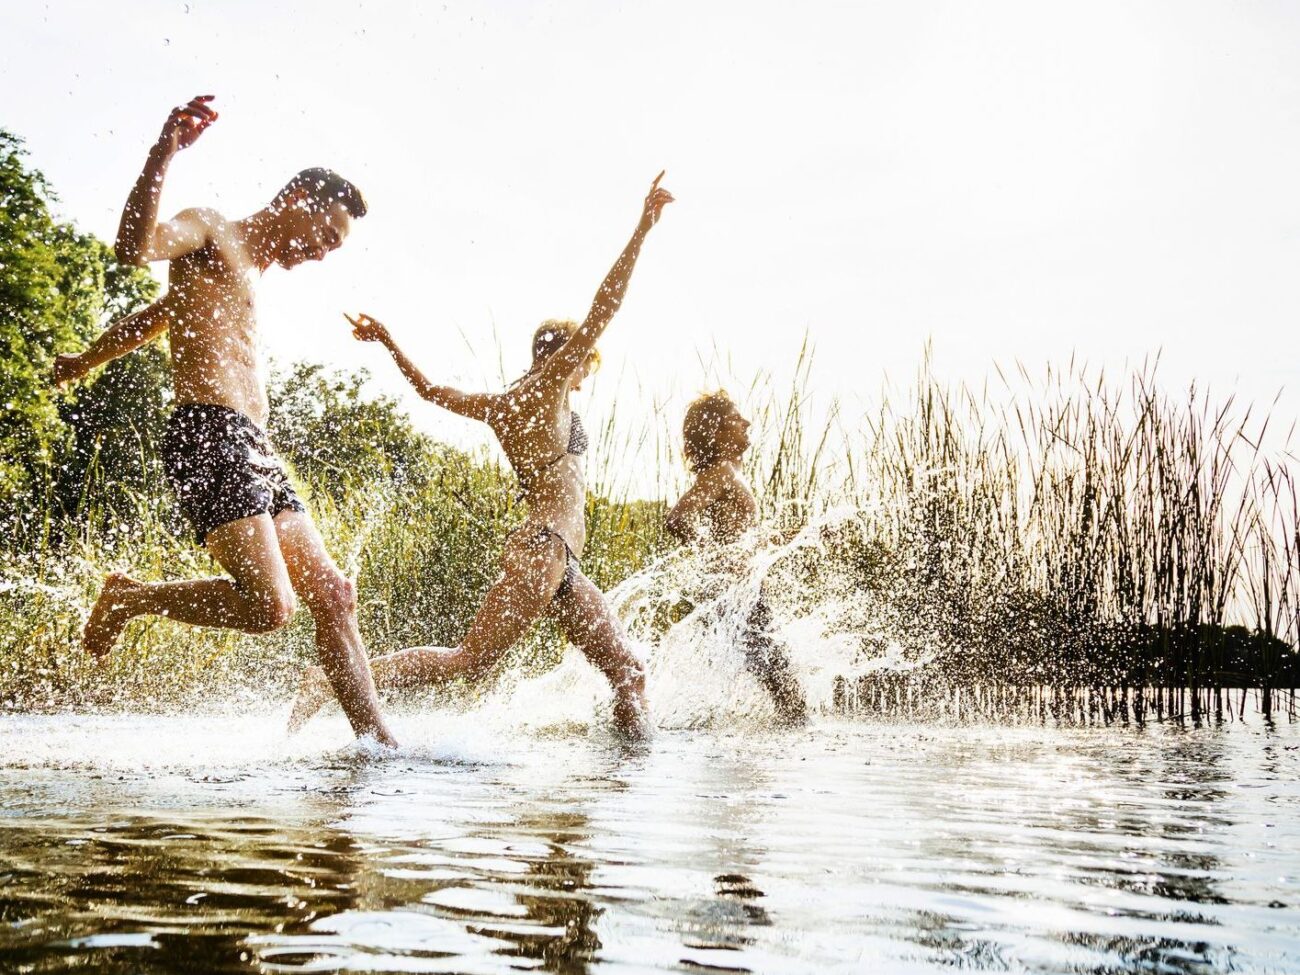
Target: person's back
[{"x": 732, "y": 509}]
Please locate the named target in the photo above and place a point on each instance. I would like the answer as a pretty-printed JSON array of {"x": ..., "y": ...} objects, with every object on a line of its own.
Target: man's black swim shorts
[{"x": 223, "y": 468}]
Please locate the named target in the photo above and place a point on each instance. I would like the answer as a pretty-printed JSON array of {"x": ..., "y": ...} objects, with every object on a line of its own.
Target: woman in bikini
[
  {"x": 541, "y": 575},
  {"x": 718, "y": 509}
]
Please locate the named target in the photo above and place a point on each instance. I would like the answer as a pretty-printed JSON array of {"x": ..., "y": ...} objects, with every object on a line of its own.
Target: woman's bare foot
[
  {"x": 631, "y": 714},
  {"x": 385, "y": 738},
  {"x": 313, "y": 693},
  {"x": 111, "y": 612}
]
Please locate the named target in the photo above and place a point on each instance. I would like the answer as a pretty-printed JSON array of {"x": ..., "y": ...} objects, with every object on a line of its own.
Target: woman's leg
[
  {"x": 585, "y": 616},
  {"x": 533, "y": 565}
]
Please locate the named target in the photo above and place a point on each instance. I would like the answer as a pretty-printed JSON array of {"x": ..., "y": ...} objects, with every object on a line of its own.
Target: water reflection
[
  {"x": 488, "y": 891},
  {"x": 562, "y": 917},
  {"x": 722, "y": 795},
  {"x": 847, "y": 847},
  {"x": 154, "y": 895}
]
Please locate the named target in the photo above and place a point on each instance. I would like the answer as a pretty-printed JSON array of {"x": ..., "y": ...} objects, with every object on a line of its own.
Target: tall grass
[
  {"x": 1077, "y": 530},
  {"x": 423, "y": 547}
]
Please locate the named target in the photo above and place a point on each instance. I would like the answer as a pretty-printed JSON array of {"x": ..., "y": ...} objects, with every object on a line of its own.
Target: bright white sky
[{"x": 1015, "y": 180}]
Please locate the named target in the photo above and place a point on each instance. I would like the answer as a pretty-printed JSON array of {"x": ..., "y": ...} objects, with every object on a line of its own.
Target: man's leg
[
  {"x": 331, "y": 597},
  {"x": 257, "y": 598},
  {"x": 769, "y": 662}
]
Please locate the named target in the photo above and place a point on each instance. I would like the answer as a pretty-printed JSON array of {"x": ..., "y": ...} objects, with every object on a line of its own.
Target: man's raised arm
[{"x": 139, "y": 238}]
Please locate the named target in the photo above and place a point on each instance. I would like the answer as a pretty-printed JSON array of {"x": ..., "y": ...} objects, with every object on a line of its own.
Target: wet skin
[
  {"x": 717, "y": 510},
  {"x": 719, "y": 507},
  {"x": 209, "y": 315}
]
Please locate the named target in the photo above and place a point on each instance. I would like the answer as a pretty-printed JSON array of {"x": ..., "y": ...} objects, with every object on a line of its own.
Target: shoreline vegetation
[{"x": 1079, "y": 545}]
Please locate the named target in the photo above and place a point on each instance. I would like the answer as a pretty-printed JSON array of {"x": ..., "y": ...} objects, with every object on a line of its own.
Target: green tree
[
  {"x": 57, "y": 287},
  {"x": 334, "y": 436},
  {"x": 117, "y": 421}
]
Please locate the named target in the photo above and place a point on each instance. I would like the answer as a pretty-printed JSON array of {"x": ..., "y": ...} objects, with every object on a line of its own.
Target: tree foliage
[
  {"x": 57, "y": 287},
  {"x": 94, "y": 450},
  {"x": 334, "y": 436}
]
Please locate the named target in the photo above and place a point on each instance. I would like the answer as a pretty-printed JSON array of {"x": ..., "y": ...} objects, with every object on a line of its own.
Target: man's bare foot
[
  {"x": 313, "y": 693},
  {"x": 111, "y": 612}
]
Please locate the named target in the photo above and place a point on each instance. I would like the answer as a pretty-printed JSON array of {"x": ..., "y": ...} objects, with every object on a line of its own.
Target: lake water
[{"x": 143, "y": 843}]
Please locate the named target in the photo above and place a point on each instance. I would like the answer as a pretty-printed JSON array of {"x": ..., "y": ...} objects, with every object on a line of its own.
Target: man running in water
[{"x": 231, "y": 486}]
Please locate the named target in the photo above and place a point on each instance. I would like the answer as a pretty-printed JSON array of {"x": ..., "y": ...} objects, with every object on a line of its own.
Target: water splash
[
  {"x": 692, "y": 613},
  {"x": 689, "y": 614}
]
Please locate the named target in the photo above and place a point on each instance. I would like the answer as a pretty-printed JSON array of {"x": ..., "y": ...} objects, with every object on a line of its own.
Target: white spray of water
[{"x": 690, "y": 614}]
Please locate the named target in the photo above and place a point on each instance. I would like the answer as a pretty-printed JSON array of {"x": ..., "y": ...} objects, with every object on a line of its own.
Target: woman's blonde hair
[
  {"x": 551, "y": 336},
  {"x": 700, "y": 429}
]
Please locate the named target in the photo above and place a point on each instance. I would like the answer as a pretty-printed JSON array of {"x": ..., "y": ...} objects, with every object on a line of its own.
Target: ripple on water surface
[{"x": 146, "y": 843}]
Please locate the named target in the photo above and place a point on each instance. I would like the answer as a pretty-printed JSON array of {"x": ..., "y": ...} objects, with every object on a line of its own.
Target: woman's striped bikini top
[
  {"x": 577, "y": 446},
  {"x": 577, "y": 436}
]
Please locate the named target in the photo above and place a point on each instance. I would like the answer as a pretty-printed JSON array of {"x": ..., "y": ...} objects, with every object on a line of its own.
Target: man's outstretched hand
[
  {"x": 68, "y": 368},
  {"x": 186, "y": 123}
]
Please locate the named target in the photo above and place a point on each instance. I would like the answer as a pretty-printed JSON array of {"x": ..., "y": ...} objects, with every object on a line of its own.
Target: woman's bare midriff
[{"x": 557, "y": 499}]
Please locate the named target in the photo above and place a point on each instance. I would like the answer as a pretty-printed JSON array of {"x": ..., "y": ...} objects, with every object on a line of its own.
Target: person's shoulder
[
  {"x": 730, "y": 476},
  {"x": 205, "y": 217},
  {"x": 492, "y": 405},
  {"x": 530, "y": 392},
  {"x": 716, "y": 482}
]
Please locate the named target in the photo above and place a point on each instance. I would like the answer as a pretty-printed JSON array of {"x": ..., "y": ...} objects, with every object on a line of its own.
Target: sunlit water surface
[{"x": 135, "y": 843}]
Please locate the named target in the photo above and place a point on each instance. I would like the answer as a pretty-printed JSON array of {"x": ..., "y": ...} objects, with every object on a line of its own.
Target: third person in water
[{"x": 718, "y": 509}]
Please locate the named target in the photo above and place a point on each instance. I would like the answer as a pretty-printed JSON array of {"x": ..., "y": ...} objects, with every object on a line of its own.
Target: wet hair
[
  {"x": 551, "y": 336},
  {"x": 700, "y": 429},
  {"x": 323, "y": 187}
]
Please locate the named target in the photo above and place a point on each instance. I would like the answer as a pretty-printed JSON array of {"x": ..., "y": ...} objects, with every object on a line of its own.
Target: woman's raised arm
[{"x": 574, "y": 352}]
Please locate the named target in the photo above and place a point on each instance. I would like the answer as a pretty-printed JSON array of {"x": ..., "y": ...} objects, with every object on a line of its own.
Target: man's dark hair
[{"x": 323, "y": 187}]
